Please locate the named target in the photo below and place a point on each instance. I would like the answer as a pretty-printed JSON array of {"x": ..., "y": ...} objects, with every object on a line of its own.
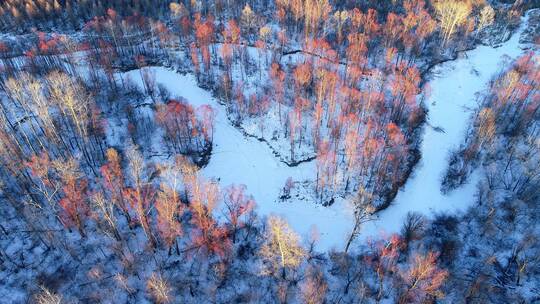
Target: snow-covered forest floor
[{"x": 191, "y": 156}]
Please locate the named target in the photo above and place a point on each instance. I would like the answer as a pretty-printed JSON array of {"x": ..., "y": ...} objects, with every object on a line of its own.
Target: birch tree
[
  {"x": 281, "y": 249},
  {"x": 451, "y": 15}
]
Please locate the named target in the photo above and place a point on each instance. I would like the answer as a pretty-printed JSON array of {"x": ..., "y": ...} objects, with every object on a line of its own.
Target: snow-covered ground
[{"x": 243, "y": 160}]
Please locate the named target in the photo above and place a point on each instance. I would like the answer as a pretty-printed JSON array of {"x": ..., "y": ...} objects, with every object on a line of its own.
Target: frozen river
[
  {"x": 453, "y": 98},
  {"x": 238, "y": 159}
]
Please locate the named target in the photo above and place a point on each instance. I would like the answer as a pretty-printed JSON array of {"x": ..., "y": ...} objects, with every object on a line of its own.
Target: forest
[{"x": 269, "y": 151}]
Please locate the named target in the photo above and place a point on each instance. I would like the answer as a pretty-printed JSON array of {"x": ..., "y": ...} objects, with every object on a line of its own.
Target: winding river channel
[{"x": 238, "y": 159}]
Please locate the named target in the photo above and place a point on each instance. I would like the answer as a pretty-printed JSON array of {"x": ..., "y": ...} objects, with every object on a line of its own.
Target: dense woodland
[{"x": 102, "y": 199}]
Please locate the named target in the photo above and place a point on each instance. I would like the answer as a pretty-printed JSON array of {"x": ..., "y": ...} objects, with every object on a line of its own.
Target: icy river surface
[{"x": 237, "y": 159}]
